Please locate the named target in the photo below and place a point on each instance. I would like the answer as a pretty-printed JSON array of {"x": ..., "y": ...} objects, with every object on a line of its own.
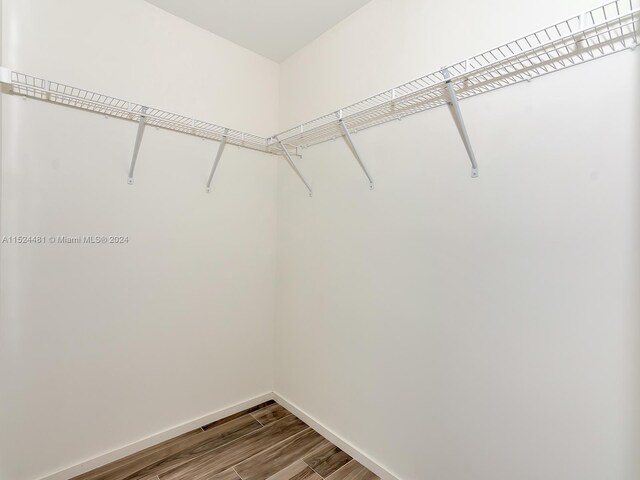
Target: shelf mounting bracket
[
  {"x": 223, "y": 144},
  {"x": 455, "y": 109},
  {"x": 352, "y": 147},
  {"x": 141, "y": 123},
  {"x": 289, "y": 160}
]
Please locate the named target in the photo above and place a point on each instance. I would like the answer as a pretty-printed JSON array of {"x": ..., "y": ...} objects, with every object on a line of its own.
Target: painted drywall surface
[
  {"x": 103, "y": 345},
  {"x": 456, "y": 328},
  {"x": 136, "y": 51}
]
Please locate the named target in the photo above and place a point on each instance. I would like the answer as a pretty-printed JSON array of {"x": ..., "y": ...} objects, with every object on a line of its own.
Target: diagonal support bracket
[
  {"x": 141, "y": 123},
  {"x": 455, "y": 108},
  {"x": 223, "y": 144},
  {"x": 287, "y": 157},
  {"x": 352, "y": 147}
]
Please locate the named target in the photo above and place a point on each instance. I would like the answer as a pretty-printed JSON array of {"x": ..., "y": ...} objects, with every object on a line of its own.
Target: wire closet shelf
[
  {"x": 41, "y": 89},
  {"x": 596, "y": 33}
]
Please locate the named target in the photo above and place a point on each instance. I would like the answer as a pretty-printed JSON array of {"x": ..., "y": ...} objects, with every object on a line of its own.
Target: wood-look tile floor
[{"x": 262, "y": 443}]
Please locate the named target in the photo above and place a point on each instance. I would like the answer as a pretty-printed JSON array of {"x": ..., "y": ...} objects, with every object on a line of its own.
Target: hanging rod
[{"x": 593, "y": 34}]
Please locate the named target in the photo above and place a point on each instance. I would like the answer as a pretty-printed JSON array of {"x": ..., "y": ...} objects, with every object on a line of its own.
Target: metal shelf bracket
[
  {"x": 289, "y": 160},
  {"x": 457, "y": 114},
  {"x": 589, "y": 35},
  {"x": 223, "y": 144},
  {"x": 352, "y": 147},
  {"x": 141, "y": 123}
]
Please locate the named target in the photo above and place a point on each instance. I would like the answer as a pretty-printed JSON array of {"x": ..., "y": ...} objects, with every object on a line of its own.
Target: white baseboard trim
[
  {"x": 172, "y": 432},
  {"x": 366, "y": 460},
  {"x": 154, "y": 439}
]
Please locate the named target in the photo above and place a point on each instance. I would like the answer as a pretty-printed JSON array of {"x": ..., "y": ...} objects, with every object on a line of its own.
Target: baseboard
[
  {"x": 154, "y": 439},
  {"x": 338, "y": 441},
  {"x": 172, "y": 432}
]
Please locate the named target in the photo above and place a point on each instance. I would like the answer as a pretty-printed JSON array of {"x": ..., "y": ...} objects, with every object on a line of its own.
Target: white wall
[
  {"x": 450, "y": 328},
  {"x": 455, "y": 328},
  {"x": 101, "y": 346}
]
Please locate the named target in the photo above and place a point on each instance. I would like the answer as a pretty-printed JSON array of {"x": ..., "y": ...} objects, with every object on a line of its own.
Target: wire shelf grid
[
  {"x": 596, "y": 33},
  {"x": 593, "y": 34},
  {"x": 39, "y": 88}
]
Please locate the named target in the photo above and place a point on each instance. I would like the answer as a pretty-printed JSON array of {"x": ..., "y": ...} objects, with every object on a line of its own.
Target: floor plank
[
  {"x": 264, "y": 442},
  {"x": 206, "y": 442},
  {"x": 121, "y": 469},
  {"x": 280, "y": 456},
  {"x": 270, "y": 414},
  {"x": 297, "y": 471},
  {"x": 233, "y": 453},
  {"x": 236, "y": 415},
  {"x": 353, "y": 471},
  {"x": 226, "y": 475},
  {"x": 327, "y": 460}
]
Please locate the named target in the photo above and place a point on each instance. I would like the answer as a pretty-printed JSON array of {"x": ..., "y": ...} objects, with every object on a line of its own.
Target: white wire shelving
[
  {"x": 41, "y": 89},
  {"x": 593, "y": 34}
]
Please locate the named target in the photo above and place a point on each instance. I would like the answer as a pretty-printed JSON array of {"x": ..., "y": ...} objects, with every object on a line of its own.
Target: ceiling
[{"x": 273, "y": 28}]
